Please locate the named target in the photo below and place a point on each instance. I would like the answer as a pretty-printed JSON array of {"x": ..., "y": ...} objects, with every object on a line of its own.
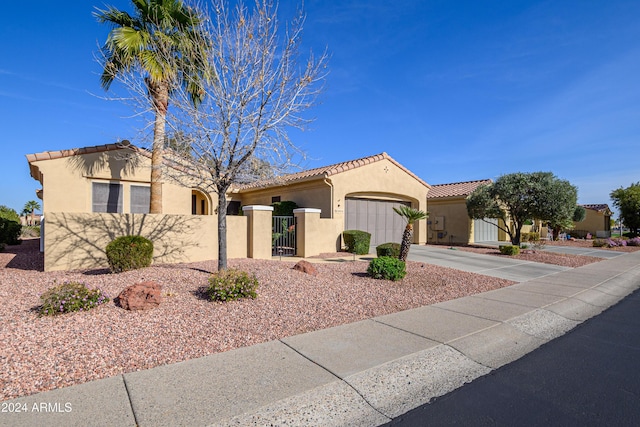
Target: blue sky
[{"x": 453, "y": 90}]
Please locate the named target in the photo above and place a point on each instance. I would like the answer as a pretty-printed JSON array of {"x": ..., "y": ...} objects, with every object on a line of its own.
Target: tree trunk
[
  {"x": 159, "y": 92},
  {"x": 407, "y": 237},
  {"x": 222, "y": 230}
]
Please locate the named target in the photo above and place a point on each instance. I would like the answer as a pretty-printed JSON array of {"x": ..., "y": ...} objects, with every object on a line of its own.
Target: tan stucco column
[
  {"x": 307, "y": 224},
  {"x": 259, "y": 223}
]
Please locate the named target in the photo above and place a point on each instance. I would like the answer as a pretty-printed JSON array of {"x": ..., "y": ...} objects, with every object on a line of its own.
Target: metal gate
[{"x": 283, "y": 236}]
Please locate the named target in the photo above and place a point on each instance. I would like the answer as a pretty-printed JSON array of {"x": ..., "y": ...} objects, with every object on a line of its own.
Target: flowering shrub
[
  {"x": 634, "y": 242},
  {"x": 228, "y": 285},
  {"x": 69, "y": 297}
]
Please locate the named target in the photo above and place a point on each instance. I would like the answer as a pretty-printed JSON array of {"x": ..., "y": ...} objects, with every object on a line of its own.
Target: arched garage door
[
  {"x": 376, "y": 217},
  {"x": 485, "y": 230}
]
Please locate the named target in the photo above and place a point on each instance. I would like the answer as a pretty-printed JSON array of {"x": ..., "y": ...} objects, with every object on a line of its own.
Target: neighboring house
[
  {"x": 449, "y": 222},
  {"x": 597, "y": 221},
  {"x": 93, "y": 194}
]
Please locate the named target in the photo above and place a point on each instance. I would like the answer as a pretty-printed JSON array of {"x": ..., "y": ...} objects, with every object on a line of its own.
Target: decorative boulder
[
  {"x": 306, "y": 267},
  {"x": 141, "y": 296}
]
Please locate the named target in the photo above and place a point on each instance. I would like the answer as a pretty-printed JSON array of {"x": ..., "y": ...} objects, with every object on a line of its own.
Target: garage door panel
[
  {"x": 485, "y": 230},
  {"x": 376, "y": 217}
]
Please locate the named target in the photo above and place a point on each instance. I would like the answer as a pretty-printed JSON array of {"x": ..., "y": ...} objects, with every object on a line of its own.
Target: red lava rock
[
  {"x": 141, "y": 296},
  {"x": 306, "y": 267}
]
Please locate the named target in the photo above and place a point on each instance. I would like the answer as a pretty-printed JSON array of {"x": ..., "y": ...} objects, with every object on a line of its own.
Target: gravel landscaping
[{"x": 44, "y": 353}]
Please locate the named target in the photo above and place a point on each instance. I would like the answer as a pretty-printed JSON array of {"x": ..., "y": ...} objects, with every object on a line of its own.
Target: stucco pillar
[
  {"x": 259, "y": 223},
  {"x": 307, "y": 224}
]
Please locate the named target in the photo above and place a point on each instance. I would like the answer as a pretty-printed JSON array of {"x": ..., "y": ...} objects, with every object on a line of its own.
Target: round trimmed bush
[
  {"x": 509, "y": 250},
  {"x": 388, "y": 268},
  {"x": 129, "y": 253}
]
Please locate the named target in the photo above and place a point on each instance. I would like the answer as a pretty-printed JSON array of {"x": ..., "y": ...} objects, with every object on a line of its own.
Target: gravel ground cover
[{"x": 44, "y": 353}]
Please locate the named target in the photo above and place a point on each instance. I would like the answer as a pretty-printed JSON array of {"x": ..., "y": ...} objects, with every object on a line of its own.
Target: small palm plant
[{"x": 410, "y": 215}]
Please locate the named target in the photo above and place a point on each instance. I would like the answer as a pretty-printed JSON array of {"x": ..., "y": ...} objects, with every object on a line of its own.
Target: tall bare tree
[
  {"x": 152, "y": 46},
  {"x": 262, "y": 87}
]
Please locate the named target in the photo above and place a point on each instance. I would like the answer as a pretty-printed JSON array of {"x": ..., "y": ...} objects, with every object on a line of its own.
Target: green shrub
[
  {"x": 530, "y": 237},
  {"x": 388, "y": 249},
  {"x": 2, "y": 246},
  {"x": 599, "y": 243},
  {"x": 10, "y": 214},
  {"x": 357, "y": 241},
  {"x": 228, "y": 285},
  {"x": 387, "y": 268},
  {"x": 10, "y": 231},
  {"x": 69, "y": 297},
  {"x": 284, "y": 208},
  {"x": 509, "y": 250},
  {"x": 129, "y": 253}
]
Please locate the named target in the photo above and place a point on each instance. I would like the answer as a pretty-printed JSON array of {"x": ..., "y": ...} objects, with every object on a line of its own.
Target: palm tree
[
  {"x": 30, "y": 207},
  {"x": 162, "y": 39},
  {"x": 411, "y": 215}
]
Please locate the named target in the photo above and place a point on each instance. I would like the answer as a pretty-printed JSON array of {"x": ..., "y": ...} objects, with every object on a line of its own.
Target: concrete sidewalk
[{"x": 362, "y": 373}]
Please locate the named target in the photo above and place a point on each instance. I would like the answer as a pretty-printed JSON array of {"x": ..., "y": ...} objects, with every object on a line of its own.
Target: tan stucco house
[
  {"x": 449, "y": 222},
  {"x": 597, "y": 221},
  {"x": 91, "y": 195}
]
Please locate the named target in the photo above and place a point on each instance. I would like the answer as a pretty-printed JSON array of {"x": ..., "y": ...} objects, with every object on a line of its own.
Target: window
[
  {"x": 233, "y": 208},
  {"x": 107, "y": 197},
  {"x": 140, "y": 197},
  {"x": 275, "y": 199}
]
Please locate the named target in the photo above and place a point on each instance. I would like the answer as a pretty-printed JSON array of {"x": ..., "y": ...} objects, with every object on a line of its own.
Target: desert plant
[
  {"x": 129, "y": 253},
  {"x": 388, "y": 268},
  {"x": 509, "y": 250},
  {"x": 30, "y": 231},
  {"x": 410, "y": 215},
  {"x": 388, "y": 249},
  {"x": 356, "y": 241},
  {"x": 530, "y": 237},
  {"x": 69, "y": 297},
  {"x": 229, "y": 285}
]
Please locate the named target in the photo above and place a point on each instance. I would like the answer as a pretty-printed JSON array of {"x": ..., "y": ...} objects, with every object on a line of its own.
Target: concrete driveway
[
  {"x": 490, "y": 265},
  {"x": 571, "y": 250}
]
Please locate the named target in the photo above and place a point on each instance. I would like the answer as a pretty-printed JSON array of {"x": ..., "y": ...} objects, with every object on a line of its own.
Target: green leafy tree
[
  {"x": 627, "y": 200},
  {"x": 30, "y": 207},
  {"x": 9, "y": 214},
  {"x": 156, "y": 43},
  {"x": 519, "y": 197},
  {"x": 567, "y": 223},
  {"x": 410, "y": 215}
]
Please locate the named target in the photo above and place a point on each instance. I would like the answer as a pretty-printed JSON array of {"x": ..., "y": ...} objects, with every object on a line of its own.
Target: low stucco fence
[{"x": 78, "y": 240}]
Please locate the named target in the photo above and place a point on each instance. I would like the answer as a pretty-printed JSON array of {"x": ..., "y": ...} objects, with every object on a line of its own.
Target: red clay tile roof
[
  {"x": 602, "y": 207},
  {"x": 326, "y": 171},
  {"x": 456, "y": 189},
  {"x": 49, "y": 155}
]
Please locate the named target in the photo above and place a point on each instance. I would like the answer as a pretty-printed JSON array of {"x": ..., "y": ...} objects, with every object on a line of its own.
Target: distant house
[
  {"x": 92, "y": 194},
  {"x": 597, "y": 221},
  {"x": 449, "y": 222}
]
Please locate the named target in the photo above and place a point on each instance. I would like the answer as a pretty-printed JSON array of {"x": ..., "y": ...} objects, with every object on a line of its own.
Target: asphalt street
[{"x": 588, "y": 377}]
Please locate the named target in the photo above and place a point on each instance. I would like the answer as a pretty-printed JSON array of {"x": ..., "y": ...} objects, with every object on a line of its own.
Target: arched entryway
[{"x": 200, "y": 203}]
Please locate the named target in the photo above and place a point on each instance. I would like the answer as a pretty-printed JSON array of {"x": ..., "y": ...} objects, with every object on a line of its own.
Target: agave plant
[{"x": 410, "y": 215}]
